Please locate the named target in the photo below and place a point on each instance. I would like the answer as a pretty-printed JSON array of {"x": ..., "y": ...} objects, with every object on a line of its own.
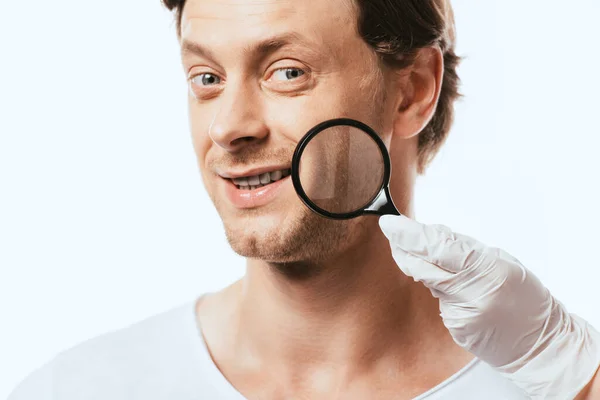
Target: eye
[
  {"x": 205, "y": 79},
  {"x": 288, "y": 73}
]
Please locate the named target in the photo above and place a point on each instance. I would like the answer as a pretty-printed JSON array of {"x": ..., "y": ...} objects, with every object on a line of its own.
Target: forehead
[{"x": 329, "y": 22}]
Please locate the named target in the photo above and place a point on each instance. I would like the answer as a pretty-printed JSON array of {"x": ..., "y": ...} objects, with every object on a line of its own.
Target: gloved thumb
[{"x": 391, "y": 224}]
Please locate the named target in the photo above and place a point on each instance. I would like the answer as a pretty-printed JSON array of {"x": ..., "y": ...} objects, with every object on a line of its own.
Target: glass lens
[{"x": 341, "y": 169}]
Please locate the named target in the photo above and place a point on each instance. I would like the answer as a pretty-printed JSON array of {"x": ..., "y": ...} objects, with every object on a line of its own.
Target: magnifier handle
[
  {"x": 388, "y": 209},
  {"x": 383, "y": 204}
]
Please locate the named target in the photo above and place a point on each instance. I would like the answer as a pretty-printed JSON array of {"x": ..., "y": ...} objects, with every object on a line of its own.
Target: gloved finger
[
  {"x": 432, "y": 276},
  {"x": 436, "y": 244}
]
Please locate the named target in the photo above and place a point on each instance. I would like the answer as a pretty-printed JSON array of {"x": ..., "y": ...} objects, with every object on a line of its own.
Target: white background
[{"x": 103, "y": 216}]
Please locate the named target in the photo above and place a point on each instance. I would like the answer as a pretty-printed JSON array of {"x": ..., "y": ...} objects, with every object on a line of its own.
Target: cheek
[
  {"x": 288, "y": 116},
  {"x": 294, "y": 116},
  {"x": 202, "y": 144},
  {"x": 332, "y": 99},
  {"x": 199, "y": 121}
]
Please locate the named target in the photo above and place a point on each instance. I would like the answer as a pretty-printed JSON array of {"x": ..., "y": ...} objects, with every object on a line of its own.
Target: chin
[{"x": 299, "y": 236}]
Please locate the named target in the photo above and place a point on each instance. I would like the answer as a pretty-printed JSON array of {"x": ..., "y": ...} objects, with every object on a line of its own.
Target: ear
[{"x": 418, "y": 92}]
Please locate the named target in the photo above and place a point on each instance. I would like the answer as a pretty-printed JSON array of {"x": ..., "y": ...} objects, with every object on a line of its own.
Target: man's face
[{"x": 261, "y": 74}]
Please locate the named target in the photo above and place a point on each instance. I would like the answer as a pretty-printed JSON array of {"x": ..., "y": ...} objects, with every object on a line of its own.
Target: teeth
[
  {"x": 265, "y": 178},
  {"x": 241, "y": 181},
  {"x": 257, "y": 181},
  {"x": 275, "y": 175}
]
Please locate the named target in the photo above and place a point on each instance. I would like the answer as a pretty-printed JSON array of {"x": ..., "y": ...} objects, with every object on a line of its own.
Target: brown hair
[{"x": 395, "y": 29}]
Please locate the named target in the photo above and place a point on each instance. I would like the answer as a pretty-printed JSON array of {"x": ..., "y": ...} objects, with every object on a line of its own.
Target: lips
[
  {"x": 254, "y": 187},
  {"x": 246, "y": 197}
]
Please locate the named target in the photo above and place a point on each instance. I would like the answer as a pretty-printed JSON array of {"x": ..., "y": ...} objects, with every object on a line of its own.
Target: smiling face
[{"x": 261, "y": 74}]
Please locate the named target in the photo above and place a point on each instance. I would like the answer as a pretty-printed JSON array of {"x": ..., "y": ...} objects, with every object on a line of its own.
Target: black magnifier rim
[{"x": 304, "y": 142}]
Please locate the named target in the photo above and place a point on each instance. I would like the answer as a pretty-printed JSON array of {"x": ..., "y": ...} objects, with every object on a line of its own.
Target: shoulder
[{"x": 138, "y": 357}]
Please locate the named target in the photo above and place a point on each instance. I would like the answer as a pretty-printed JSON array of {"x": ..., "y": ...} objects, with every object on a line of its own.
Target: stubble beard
[
  {"x": 298, "y": 248},
  {"x": 303, "y": 236}
]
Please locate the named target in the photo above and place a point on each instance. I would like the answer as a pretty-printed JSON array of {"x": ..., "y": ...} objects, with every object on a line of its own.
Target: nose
[{"x": 238, "y": 121}]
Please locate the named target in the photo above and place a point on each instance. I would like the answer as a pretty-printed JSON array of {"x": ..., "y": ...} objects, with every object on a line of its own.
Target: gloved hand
[{"x": 498, "y": 310}]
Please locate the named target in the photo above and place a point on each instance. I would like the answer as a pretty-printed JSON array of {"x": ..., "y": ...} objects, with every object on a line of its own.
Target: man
[{"x": 325, "y": 309}]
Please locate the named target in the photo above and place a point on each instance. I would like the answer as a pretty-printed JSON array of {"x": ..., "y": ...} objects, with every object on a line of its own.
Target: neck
[{"x": 356, "y": 309}]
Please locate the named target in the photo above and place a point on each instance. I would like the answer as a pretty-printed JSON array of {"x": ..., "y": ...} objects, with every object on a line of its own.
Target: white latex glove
[{"x": 497, "y": 309}]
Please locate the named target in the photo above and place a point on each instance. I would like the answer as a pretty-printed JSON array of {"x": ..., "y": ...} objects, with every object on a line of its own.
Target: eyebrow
[{"x": 260, "y": 50}]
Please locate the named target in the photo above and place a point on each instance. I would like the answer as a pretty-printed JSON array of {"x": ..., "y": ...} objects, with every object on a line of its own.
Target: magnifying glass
[{"x": 341, "y": 170}]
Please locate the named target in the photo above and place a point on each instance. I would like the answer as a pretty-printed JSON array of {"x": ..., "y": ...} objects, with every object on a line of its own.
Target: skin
[
  {"x": 591, "y": 391},
  {"x": 323, "y": 311}
]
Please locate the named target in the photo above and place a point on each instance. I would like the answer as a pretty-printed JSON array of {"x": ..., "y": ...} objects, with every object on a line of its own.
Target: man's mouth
[{"x": 258, "y": 181}]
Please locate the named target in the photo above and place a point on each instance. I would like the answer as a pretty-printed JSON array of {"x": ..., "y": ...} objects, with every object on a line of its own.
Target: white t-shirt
[{"x": 165, "y": 358}]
